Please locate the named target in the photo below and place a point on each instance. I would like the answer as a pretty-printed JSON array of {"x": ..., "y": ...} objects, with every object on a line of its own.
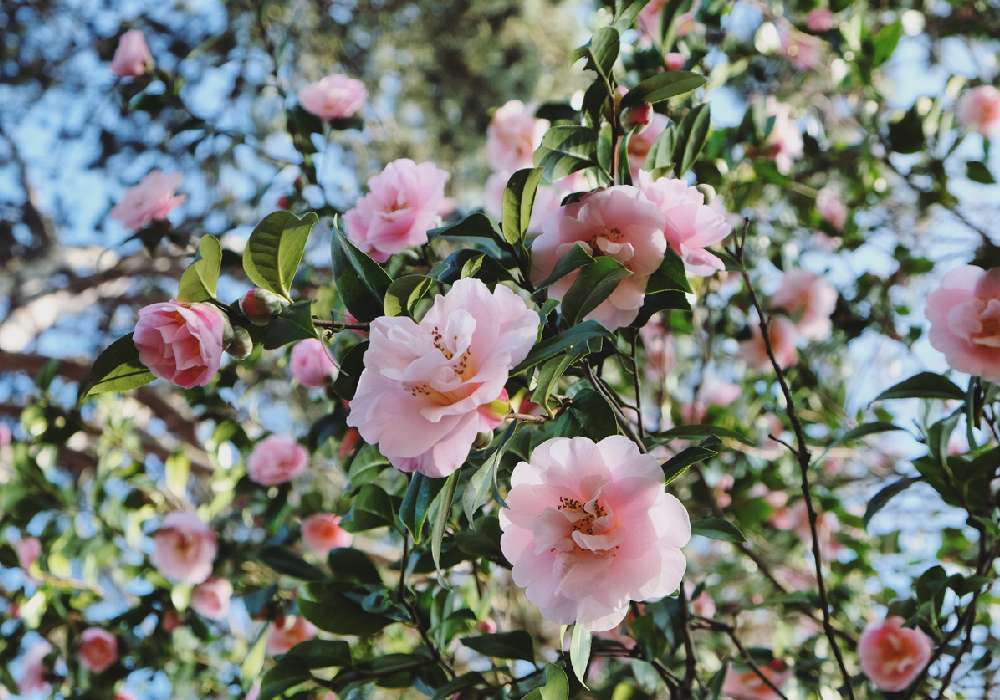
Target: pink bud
[
  {"x": 639, "y": 115},
  {"x": 674, "y": 60},
  {"x": 260, "y": 306}
]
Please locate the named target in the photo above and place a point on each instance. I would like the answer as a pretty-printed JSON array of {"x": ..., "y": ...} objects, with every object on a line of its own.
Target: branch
[{"x": 730, "y": 632}]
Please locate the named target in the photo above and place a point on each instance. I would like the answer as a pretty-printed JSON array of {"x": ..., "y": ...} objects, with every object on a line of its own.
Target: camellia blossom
[
  {"x": 32, "y": 678},
  {"x": 588, "y": 527},
  {"x": 132, "y": 56},
  {"x": 784, "y": 141},
  {"x": 286, "y": 632},
  {"x": 690, "y": 225},
  {"x": 781, "y": 332},
  {"x": 427, "y": 387},
  {"x": 334, "y": 97},
  {"x": 151, "y": 200},
  {"x": 964, "y": 312},
  {"x": 979, "y": 110},
  {"x": 820, "y": 20},
  {"x": 28, "y": 549},
  {"x": 184, "y": 548},
  {"x": 659, "y": 350},
  {"x": 642, "y": 142},
  {"x": 891, "y": 655},
  {"x": 809, "y": 299},
  {"x": 714, "y": 392},
  {"x": 804, "y": 51},
  {"x": 796, "y": 519},
  {"x": 745, "y": 684},
  {"x": 322, "y": 532},
  {"x": 831, "y": 207},
  {"x": 617, "y": 222},
  {"x": 512, "y": 136},
  {"x": 674, "y": 60},
  {"x": 211, "y": 598},
  {"x": 311, "y": 363},
  {"x": 276, "y": 459},
  {"x": 98, "y": 649},
  {"x": 403, "y": 202},
  {"x": 179, "y": 342}
]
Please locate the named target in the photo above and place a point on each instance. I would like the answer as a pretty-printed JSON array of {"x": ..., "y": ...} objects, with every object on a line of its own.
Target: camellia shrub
[{"x": 621, "y": 425}]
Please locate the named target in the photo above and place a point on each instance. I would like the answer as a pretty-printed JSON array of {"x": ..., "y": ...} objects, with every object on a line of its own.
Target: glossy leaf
[{"x": 274, "y": 250}]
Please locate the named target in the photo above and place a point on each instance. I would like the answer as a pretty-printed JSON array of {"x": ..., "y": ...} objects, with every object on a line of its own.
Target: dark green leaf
[
  {"x": 319, "y": 653},
  {"x": 483, "y": 480},
  {"x": 475, "y": 225},
  {"x": 576, "y": 257},
  {"x": 663, "y": 86},
  {"x": 926, "y": 385},
  {"x": 403, "y": 294},
  {"x": 199, "y": 281},
  {"x": 274, "y": 250},
  {"x": 441, "y": 510},
  {"x": 285, "y": 561},
  {"x": 906, "y": 135},
  {"x": 572, "y": 339},
  {"x": 280, "y": 678},
  {"x": 556, "y": 685},
  {"x": 417, "y": 502},
  {"x": 292, "y": 324},
  {"x": 717, "y": 529},
  {"x": 565, "y": 149},
  {"x": 548, "y": 377},
  {"x": 361, "y": 282},
  {"x": 977, "y": 171},
  {"x": 879, "y": 500},
  {"x": 349, "y": 564},
  {"x": 350, "y": 367},
  {"x": 688, "y": 432},
  {"x": 593, "y": 285},
  {"x": 682, "y": 461},
  {"x": 885, "y": 41},
  {"x": 503, "y": 645},
  {"x": 117, "y": 368},
  {"x": 372, "y": 508},
  {"x": 518, "y": 200},
  {"x": 691, "y": 136},
  {"x": 864, "y": 430},
  {"x": 332, "y": 611}
]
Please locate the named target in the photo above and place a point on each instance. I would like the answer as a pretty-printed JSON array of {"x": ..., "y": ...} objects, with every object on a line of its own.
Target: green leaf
[
  {"x": 885, "y": 41},
  {"x": 403, "y": 294},
  {"x": 602, "y": 52},
  {"x": 117, "y": 368},
  {"x": 906, "y": 135},
  {"x": 593, "y": 285},
  {"x": 417, "y": 502},
  {"x": 441, "y": 510},
  {"x": 572, "y": 339},
  {"x": 294, "y": 323},
  {"x": 717, "y": 529},
  {"x": 565, "y": 149},
  {"x": 665, "y": 289},
  {"x": 319, "y": 653},
  {"x": 661, "y": 156},
  {"x": 691, "y": 136},
  {"x": 199, "y": 281},
  {"x": 688, "y": 432},
  {"x": 663, "y": 86},
  {"x": 361, "y": 282},
  {"x": 977, "y": 171},
  {"x": 556, "y": 685},
  {"x": 886, "y": 494},
  {"x": 518, "y": 200},
  {"x": 349, "y": 369},
  {"x": 332, "y": 611},
  {"x": 926, "y": 385},
  {"x": 864, "y": 430},
  {"x": 285, "y": 561},
  {"x": 281, "y": 678},
  {"x": 483, "y": 480},
  {"x": 575, "y": 258},
  {"x": 274, "y": 250},
  {"x": 372, "y": 508},
  {"x": 503, "y": 645},
  {"x": 579, "y": 652},
  {"x": 476, "y": 225},
  {"x": 349, "y": 564},
  {"x": 682, "y": 461},
  {"x": 548, "y": 377}
]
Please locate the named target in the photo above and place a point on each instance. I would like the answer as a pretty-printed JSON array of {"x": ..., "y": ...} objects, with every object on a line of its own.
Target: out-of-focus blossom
[
  {"x": 781, "y": 332},
  {"x": 512, "y": 136},
  {"x": 784, "y": 141},
  {"x": 211, "y": 598},
  {"x": 809, "y": 299},
  {"x": 674, "y": 61},
  {"x": 132, "y": 56},
  {"x": 334, "y": 97},
  {"x": 28, "y": 549},
  {"x": 151, "y": 200},
  {"x": 33, "y": 671},
  {"x": 277, "y": 459},
  {"x": 98, "y": 649},
  {"x": 746, "y": 684},
  {"x": 311, "y": 363},
  {"x": 891, "y": 655},
  {"x": 322, "y": 532},
  {"x": 979, "y": 110},
  {"x": 184, "y": 548},
  {"x": 181, "y": 343},
  {"x": 286, "y": 632},
  {"x": 796, "y": 519},
  {"x": 964, "y": 312},
  {"x": 831, "y": 207},
  {"x": 820, "y": 20},
  {"x": 659, "y": 350},
  {"x": 714, "y": 392},
  {"x": 804, "y": 51}
]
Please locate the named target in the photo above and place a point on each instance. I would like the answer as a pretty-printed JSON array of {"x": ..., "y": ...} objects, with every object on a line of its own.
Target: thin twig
[
  {"x": 730, "y": 632},
  {"x": 635, "y": 383}
]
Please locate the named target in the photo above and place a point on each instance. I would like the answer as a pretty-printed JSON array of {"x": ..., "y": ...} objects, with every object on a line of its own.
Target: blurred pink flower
[
  {"x": 333, "y": 97},
  {"x": 796, "y": 519},
  {"x": 581, "y": 512},
  {"x": 781, "y": 332},
  {"x": 512, "y": 137},
  {"x": 181, "y": 343},
  {"x": 690, "y": 225},
  {"x": 211, "y": 598},
  {"x": 132, "y": 56},
  {"x": 322, "y": 532},
  {"x": 659, "y": 350},
  {"x": 891, "y": 655},
  {"x": 964, "y": 312},
  {"x": 276, "y": 459},
  {"x": 831, "y": 207},
  {"x": 820, "y": 20},
  {"x": 311, "y": 363},
  {"x": 979, "y": 110},
  {"x": 674, "y": 60},
  {"x": 286, "y": 632},
  {"x": 784, "y": 142},
  {"x": 151, "y": 200},
  {"x": 714, "y": 392},
  {"x": 650, "y": 17},
  {"x": 810, "y": 299},
  {"x": 745, "y": 684},
  {"x": 703, "y": 605},
  {"x": 426, "y": 389},
  {"x": 98, "y": 649},
  {"x": 404, "y": 201},
  {"x": 33, "y": 669},
  {"x": 184, "y": 548},
  {"x": 804, "y": 51},
  {"x": 28, "y": 550}
]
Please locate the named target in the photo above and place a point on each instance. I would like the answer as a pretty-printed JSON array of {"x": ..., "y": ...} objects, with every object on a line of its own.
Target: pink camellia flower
[
  {"x": 211, "y": 598},
  {"x": 831, "y": 207},
  {"x": 276, "y": 459},
  {"x": 286, "y": 632},
  {"x": 181, "y": 343},
  {"x": 810, "y": 299},
  {"x": 796, "y": 519},
  {"x": 674, "y": 60},
  {"x": 714, "y": 392},
  {"x": 311, "y": 363},
  {"x": 804, "y": 51},
  {"x": 964, "y": 312},
  {"x": 891, "y": 655},
  {"x": 33, "y": 670},
  {"x": 690, "y": 225},
  {"x": 979, "y": 110},
  {"x": 322, "y": 532},
  {"x": 784, "y": 142},
  {"x": 334, "y": 97},
  {"x": 512, "y": 136},
  {"x": 132, "y": 57},
  {"x": 820, "y": 20},
  {"x": 151, "y": 200},
  {"x": 581, "y": 513},
  {"x": 781, "y": 332},
  {"x": 659, "y": 350},
  {"x": 745, "y": 684},
  {"x": 98, "y": 649},
  {"x": 426, "y": 389},
  {"x": 642, "y": 142},
  {"x": 28, "y": 550},
  {"x": 650, "y": 17},
  {"x": 124, "y": 695},
  {"x": 617, "y": 222},
  {"x": 403, "y": 203},
  {"x": 487, "y": 626},
  {"x": 184, "y": 548},
  {"x": 703, "y": 605}
]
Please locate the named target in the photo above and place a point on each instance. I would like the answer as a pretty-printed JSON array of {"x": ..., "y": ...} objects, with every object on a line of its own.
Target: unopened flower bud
[
  {"x": 241, "y": 344},
  {"x": 260, "y": 306},
  {"x": 283, "y": 202},
  {"x": 638, "y": 115}
]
